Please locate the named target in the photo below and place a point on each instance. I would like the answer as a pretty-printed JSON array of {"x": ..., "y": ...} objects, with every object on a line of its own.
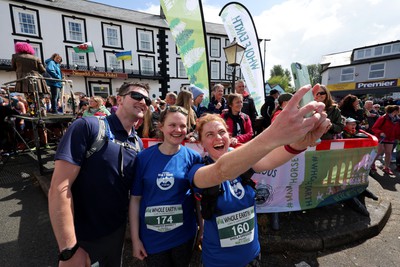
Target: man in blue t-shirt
[{"x": 89, "y": 195}]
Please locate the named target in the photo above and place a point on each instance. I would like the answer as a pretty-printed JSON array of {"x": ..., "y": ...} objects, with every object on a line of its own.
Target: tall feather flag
[
  {"x": 240, "y": 25},
  {"x": 185, "y": 19},
  {"x": 124, "y": 55}
]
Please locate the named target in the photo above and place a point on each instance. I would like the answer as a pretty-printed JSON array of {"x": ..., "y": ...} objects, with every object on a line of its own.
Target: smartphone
[{"x": 302, "y": 77}]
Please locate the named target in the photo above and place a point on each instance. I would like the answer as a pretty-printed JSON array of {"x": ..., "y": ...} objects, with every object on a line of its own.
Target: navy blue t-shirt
[{"x": 100, "y": 192}]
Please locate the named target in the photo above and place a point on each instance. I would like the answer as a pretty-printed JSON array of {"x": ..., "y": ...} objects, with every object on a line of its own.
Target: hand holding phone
[{"x": 301, "y": 78}]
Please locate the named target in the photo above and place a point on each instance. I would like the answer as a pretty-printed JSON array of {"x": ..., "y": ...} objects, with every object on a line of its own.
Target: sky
[{"x": 304, "y": 30}]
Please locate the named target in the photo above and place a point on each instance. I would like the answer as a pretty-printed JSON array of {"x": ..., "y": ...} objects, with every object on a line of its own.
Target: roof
[
  {"x": 337, "y": 59},
  {"x": 84, "y": 7}
]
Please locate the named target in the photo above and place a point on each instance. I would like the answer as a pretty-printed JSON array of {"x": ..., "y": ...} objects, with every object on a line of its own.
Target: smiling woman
[{"x": 163, "y": 222}]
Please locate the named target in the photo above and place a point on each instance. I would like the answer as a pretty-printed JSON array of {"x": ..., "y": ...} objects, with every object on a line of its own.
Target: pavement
[{"x": 317, "y": 237}]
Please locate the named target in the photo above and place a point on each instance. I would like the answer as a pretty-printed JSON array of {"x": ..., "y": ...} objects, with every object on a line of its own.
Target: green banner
[{"x": 185, "y": 20}]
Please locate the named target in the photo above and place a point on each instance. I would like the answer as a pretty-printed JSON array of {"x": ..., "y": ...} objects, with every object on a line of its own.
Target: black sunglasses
[
  {"x": 321, "y": 93},
  {"x": 138, "y": 96},
  {"x": 177, "y": 109}
]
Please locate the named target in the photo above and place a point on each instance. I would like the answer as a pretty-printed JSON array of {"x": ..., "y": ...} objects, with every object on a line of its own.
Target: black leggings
[{"x": 179, "y": 256}]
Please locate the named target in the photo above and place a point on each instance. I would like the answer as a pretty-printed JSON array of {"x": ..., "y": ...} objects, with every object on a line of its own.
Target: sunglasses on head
[
  {"x": 321, "y": 93},
  {"x": 138, "y": 97},
  {"x": 178, "y": 109}
]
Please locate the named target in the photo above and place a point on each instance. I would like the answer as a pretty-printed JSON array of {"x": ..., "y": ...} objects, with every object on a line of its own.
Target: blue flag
[{"x": 124, "y": 55}]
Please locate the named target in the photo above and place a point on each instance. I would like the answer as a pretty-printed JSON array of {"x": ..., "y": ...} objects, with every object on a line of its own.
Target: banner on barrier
[{"x": 331, "y": 172}]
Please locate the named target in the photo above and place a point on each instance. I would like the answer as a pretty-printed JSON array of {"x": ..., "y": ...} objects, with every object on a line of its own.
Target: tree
[
  {"x": 281, "y": 77},
  {"x": 283, "y": 81},
  {"x": 315, "y": 71}
]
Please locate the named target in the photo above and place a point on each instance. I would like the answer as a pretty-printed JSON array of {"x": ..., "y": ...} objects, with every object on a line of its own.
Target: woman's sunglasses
[
  {"x": 177, "y": 109},
  {"x": 321, "y": 93},
  {"x": 138, "y": 97}
]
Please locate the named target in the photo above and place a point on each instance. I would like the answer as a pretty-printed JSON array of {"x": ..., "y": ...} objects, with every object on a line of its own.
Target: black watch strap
[{"x": 67, "y": 253}]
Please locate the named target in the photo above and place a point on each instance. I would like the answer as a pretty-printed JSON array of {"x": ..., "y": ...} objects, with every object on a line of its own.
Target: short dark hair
[{"x": 125, "y": 87}]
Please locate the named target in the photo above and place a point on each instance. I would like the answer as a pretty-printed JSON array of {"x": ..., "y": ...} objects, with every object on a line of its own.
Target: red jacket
[
  {"x": 386, "y": 126},
  {"x": 248, "y": 130}
]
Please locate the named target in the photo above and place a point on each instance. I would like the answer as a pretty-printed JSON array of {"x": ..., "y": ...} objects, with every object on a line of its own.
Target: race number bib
[
  {"x": 164, "y": 218},
  {"x": 236, "y": 228}
]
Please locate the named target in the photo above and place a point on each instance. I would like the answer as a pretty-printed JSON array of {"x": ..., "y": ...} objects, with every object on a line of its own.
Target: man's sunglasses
[
  {"x": 138, "y": 96},
  {"x": 321, "y": 93}
]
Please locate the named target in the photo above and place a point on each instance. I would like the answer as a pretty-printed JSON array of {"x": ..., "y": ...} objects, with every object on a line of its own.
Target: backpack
[
  {"x": 105, "y": 135},
  {"x": 210, "y": 195}
]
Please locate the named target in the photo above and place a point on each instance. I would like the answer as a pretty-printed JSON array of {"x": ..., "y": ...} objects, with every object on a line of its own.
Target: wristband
[{"x": 291, "y": 150}]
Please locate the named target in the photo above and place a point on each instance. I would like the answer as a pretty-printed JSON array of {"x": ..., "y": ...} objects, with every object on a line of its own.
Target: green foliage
[
  {"x": 281, "y": 77},
  {"x": 277, "y": 70},
  {"x": 315, "y": 71},
  {"x": 283, "y": 81}
]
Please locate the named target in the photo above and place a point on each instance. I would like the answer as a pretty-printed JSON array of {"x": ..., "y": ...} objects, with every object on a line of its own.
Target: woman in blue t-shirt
[
  {"x": 230, "y": 226},
  {"x": 162, "y": 213}
]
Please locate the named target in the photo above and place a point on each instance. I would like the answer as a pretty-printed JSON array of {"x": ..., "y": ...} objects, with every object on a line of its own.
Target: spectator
[
  {"x": 386, "y": 128},
  {"x": 370, "y": 114},
  {"x": 350, "y": 107},
  {"x": 25, "y": 64},
  {"x": 170, "y": 99},
  {"x": 249, "y": 107},
  {"x": 268, "y": 108},
  {"x": 322, "y": 94},
  {"x": 89, "y": 196},
  {"x": 350, "y": 129},
  {"x": 185, "y": 100},
  {"x": 112, "y": 100},
  {"x": 239, "y": 123},
  {"x": 218, "y": 101},
  {"x": 96, "y": 107},
  {"x": 54, "y": 71},
  {"x": 198, "y": 96},
  {"x": 283, "y": 100},
  {"x": 377, "y": 108}
]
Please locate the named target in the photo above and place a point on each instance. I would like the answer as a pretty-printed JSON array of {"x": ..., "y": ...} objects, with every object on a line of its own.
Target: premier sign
[{"x": 377, "y": 84}]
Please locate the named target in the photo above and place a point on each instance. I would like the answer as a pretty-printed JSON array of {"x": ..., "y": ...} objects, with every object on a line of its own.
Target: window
[
  {"x": 181, "y": 71},
  {"x": 376, "y": 71},
  {"x": 215, "y": 47},
  {"x": 378, "y": 51},
  {"x": 396, "y": 48},
  {"x": 112, "y": 35},
  {"x": 146, "y": 65},
  {"x": 74, "y": 29},
  {"x": 76, "y": 60},
  {"x": 215, "y": 70},
  {"x": 145, "y": 40},
  {"x": 387, "y": 49},
  {"x": 25, "y": 21},
  {"x": 347, "y": 74},
  {"x": 112, "y": 64}
]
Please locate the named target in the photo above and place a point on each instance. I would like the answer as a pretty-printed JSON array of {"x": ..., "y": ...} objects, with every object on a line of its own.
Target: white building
[
  {"x": 56, "y": 26},
  {"x": 371, "y": 69}
]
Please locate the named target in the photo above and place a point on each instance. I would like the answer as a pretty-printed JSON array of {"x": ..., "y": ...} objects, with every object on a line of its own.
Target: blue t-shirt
[
  {"x": 231, "y": 236},
  {"x": 100, "y": 192},
  {"x": 167, "y": 211}
]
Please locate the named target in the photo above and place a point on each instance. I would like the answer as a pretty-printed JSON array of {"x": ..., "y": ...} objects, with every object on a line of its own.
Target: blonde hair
[{"x": 183, "y": 100}]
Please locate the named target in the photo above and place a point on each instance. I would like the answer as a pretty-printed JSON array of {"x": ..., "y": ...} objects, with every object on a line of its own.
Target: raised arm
[{"x": 290, "y": 127}]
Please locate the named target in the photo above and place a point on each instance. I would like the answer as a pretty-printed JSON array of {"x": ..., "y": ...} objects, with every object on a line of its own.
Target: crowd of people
[{"x": 174, "y": 198}]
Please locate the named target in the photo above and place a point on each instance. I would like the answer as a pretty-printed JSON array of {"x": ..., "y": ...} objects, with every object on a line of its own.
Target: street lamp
[{"x": 234, "y": 55}]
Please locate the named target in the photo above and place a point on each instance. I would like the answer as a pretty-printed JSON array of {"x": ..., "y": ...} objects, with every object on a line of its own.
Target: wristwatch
[{"x": 67, "y": 253}]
